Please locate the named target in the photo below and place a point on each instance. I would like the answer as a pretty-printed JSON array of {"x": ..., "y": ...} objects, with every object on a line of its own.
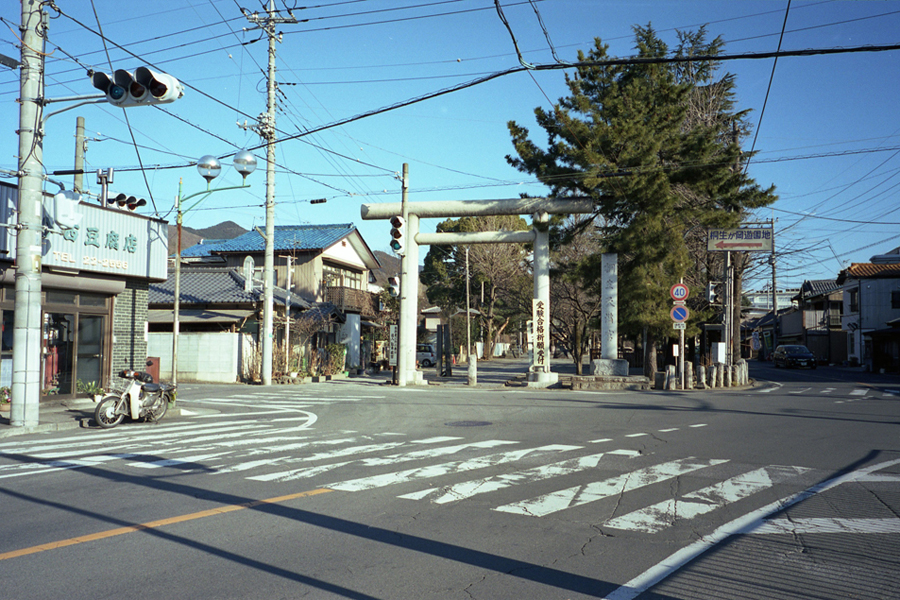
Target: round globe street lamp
[
  {"x": 244, "y": 163},
  {"x": 209, "y": 168}
]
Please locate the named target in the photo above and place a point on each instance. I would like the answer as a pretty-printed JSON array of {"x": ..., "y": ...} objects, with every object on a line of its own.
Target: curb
[{"x": 83, "y": 422}]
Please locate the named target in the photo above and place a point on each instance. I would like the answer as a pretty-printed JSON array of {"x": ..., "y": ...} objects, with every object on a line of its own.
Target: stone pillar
[
  {"x": 609, "y": 363},
  {"x": 537, "y": 376}
]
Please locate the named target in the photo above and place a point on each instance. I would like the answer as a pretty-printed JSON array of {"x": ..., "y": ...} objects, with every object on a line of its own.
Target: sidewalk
[{"x": 53, "y": 416}]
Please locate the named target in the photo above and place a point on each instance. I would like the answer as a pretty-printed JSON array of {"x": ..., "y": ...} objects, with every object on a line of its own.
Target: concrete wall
[{"x": 202, "y": 357}]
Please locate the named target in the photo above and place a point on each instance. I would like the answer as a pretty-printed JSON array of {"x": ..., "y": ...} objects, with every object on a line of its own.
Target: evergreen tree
[{"x": 625, "y": 138}]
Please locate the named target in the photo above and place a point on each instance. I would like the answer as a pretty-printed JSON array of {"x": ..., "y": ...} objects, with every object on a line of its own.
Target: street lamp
[{"x": 209, "y": 168}]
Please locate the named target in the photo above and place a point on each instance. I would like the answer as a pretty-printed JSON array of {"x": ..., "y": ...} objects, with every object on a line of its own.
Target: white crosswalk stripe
[
  {"x": 584, "y": 494},
  {"x": 660, "y": 516},
  {"x": 431, "y": 471},
  {"x": 507, "y": 475},
  {"x": 468, "y": 489}
]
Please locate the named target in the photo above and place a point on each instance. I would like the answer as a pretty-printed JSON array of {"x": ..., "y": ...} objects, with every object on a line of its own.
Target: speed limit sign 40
[{"x": 679, "y": 292}]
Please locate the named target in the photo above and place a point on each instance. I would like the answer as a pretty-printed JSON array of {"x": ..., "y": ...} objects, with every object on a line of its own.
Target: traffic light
[
  {"x": 130, "y": 201},
  {"x": 394, "y": 282},
  {"x": 711, "y": 295},
  {"x": 143, "y": 87},
  {"x": 398, "y": 233}
]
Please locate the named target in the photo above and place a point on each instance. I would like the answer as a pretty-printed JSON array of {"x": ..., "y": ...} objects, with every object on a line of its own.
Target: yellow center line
[{"x": 159, "y": 523}]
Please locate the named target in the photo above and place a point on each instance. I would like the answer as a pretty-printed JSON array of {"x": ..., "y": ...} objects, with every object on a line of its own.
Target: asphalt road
[{"x": 790, "y": 489}]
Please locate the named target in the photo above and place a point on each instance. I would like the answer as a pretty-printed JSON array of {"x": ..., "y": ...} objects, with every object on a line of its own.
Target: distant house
[
  {"x": 319, "y": 263},
  {"x": 220, "y": 316},
  {"x": 871, "y": 297},
  {"x": 816, "y": 323}
]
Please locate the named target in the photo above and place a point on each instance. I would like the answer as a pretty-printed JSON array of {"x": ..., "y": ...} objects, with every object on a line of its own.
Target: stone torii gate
[{"x": 539, "y": 208}]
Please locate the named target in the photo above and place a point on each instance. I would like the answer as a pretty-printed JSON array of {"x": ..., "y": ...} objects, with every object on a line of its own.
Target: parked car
[
  {"x": 793, "y": 356},
  {"x": 425, "y": 355}
]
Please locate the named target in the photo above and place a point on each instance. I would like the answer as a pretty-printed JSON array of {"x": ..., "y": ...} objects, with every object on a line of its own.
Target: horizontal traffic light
[
  {"x": 144, "y": 86},
  {"x": 130, "y": 201}
]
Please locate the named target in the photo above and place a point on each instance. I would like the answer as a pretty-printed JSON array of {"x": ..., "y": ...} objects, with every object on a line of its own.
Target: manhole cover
[{"x": 468, "y": 423}]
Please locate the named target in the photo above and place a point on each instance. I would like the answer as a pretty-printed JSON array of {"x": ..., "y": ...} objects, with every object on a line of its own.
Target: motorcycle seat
[{"x": 151, "y": 388}]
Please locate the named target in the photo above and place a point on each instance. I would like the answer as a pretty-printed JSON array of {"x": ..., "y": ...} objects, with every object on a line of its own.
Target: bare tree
[{"x": 574, "y": 298}]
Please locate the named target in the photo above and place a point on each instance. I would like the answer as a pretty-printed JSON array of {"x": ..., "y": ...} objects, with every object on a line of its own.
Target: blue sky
[{"x": 829, "y": 138}]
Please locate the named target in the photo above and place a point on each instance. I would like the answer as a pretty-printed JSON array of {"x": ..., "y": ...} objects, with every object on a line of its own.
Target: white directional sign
[{"x": 755, "y": 239}]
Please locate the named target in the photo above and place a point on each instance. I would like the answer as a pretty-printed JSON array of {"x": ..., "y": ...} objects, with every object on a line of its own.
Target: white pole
[
  {"x": 405, "y": 286},
  {"x": 26, "y": 375},
  {"x": 269, "y": 263},
  {"x": 468, "y": 316}
]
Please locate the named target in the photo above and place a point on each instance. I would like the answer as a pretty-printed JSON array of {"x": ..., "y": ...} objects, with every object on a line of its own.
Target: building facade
[{"x": 94, "y": 282}]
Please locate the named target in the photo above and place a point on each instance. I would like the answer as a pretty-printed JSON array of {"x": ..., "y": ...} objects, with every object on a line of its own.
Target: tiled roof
[
  {"x": 287, "y": 237},
  {"x": 214, "y": 286},
  {"x": 869, "y": 271},
  {"x": 817, "y": 287},
  {"x": 202, "y": 249}
]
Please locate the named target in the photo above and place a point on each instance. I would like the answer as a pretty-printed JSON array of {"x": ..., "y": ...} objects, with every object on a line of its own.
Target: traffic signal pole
[{"x": 26, "y": 384}]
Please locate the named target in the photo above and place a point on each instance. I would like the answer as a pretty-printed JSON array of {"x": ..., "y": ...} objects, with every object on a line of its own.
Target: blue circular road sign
[{"x": 680, "y": 314}]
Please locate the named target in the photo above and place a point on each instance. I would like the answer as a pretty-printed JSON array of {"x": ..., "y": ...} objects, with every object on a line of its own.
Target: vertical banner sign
[
  {"x": 392, "y": 346},
  {"x": 541, "y": 325}
]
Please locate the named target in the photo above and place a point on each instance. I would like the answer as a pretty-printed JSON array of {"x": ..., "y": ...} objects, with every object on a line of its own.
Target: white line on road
[
  {"x": 467, "y": 489},
  {"x": 653, "y": 519},
  {"x": 304, "y": 472},
  {"x": 591, "y": 492},
  {"x": 460, "y": 466}
]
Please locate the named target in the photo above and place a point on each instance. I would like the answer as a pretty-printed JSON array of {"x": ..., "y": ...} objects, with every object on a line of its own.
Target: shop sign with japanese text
[
  {"x": 755, "y": 239},
  {"x": 111, "y": 242}
]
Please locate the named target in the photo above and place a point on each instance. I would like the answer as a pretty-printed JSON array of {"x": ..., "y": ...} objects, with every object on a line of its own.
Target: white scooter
[{"x": 141, "y": 399}]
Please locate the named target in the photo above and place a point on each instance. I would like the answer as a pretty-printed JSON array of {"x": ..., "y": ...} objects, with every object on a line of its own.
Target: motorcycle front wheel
[
  {"x": 108, "y": 414},
  {"x": 158, "y": 409}
]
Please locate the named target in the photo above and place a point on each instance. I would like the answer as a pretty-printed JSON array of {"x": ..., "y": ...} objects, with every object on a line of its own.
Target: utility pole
[
  {"x": 79, "y": 155},
  {"x": 26, "y": 376},
  {"x": 176, "y": 325},
  {"x": 403, "y": 328},
  {"x": 266, "y": 129},
  {"x": 774, "y": 296},
  {"x": 287, "y": 312}
]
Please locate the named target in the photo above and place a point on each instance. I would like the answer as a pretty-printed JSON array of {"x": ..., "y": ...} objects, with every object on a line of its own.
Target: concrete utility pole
[
  {"x": 79, "y": 155},
  {"x": 267, "y": 131},
  {"x": 26, "y": 376}
]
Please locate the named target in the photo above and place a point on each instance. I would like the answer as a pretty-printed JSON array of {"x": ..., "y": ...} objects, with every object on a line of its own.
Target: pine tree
[{"x": 627, "y": 137}]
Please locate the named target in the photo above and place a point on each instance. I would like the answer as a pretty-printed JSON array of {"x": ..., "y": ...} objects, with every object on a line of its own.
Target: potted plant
[{"x": 5, "y": 398}]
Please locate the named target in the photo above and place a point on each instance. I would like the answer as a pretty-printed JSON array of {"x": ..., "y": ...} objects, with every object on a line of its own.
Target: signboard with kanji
[
  {"x": 755, "y": 239},
  {"x": 393, "y": 344},
  {"x": 541, "y": 322}
]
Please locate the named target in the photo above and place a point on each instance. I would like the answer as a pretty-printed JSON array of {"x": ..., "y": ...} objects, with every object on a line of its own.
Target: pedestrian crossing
[
  {"x": 841, "y": 397},
  {"x": 510, "y": 476}
]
